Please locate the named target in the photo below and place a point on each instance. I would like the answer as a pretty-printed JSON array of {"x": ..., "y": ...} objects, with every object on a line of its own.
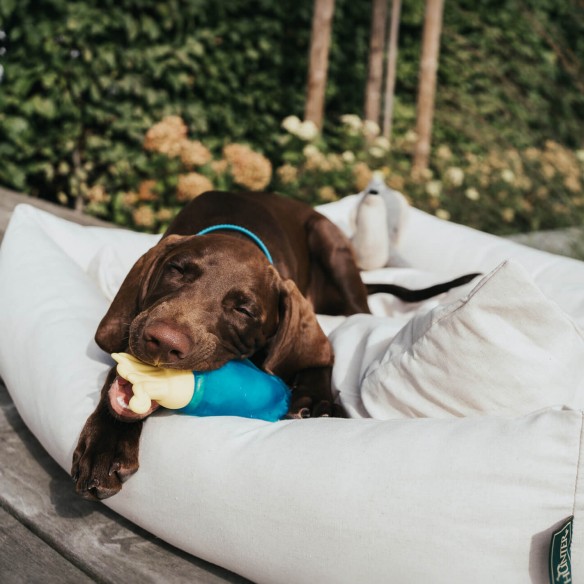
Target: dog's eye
[
  {"x": 245, "y": 311},
  {"x": 175, "y": 268}
]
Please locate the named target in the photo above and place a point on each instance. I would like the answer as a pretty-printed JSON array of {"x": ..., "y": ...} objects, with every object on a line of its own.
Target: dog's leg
[
  {"x": 107, "y": 451},
  {"x": 312, "y": 396}
]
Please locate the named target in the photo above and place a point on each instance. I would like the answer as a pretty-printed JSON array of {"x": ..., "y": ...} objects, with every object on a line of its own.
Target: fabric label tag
[{"x": 560, "y": 554}]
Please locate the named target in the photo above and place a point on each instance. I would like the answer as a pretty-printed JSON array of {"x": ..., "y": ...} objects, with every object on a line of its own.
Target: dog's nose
[{"x": 165, "y": 343}]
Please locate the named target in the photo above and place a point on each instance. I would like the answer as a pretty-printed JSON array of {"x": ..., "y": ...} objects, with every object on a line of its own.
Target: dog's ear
[
  {"x": 113, "y": 330},
  {"x": 299, "y": 343}
]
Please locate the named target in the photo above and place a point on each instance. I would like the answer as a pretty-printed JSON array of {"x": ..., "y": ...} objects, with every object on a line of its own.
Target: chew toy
[{"x": 238, "y": 388}]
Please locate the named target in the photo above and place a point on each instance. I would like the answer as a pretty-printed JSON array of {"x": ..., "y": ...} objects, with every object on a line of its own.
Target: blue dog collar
[{"x": 250, "y": 234}]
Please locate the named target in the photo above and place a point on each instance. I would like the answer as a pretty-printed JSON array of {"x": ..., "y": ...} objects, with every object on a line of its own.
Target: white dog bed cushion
[
  {"x": 502, "y": 349},
  {"x": 417, "y": 500}
]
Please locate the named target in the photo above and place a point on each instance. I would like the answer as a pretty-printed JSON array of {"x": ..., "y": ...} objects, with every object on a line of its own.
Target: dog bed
[{"x": 462, "y": 457}]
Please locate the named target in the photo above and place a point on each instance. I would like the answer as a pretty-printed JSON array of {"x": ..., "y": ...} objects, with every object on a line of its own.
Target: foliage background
[{"x": 82, "y": 82}]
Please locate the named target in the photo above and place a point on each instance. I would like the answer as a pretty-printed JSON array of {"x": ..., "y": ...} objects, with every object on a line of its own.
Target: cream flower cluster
[
  {"x": 306, "y": 131},
  {"x": 248, "y": 168}
]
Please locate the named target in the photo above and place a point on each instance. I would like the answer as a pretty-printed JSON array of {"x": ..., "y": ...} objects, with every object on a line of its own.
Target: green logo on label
[{"x": 560, "y": 555}]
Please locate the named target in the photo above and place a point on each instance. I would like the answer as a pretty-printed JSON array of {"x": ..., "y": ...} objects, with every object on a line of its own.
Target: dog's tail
[{"x": 408, "y": 295}]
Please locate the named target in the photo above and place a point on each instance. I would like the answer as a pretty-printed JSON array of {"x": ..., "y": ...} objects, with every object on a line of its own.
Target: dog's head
[{"x": 196, "y": 302}]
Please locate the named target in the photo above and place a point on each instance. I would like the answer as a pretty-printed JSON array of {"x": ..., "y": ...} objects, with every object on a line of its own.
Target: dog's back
[{"x": 284, "y": 225}]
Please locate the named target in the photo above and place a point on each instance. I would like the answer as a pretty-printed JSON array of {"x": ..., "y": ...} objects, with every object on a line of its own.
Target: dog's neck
[{"x": 239, "y": 229}]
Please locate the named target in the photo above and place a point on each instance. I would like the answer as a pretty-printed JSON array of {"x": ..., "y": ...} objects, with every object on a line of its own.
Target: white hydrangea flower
[
  {"x": 454, "y": 175},
  {"x": 382, "y": 142},
  {"x": 353, "y": 121},
  {"x": 307, "y": 131},
  {"x": 411, "y": 137},
  {"x": 443, "y": 152},
  {"x": 348, "y": 157},
  {"x": 291, "y": 124},
  {"x": 371, "y": 128},
  {"x": 353, "y": 124},
  {"x": 472, "y": 194},
  {"x": 377, "y": 152},
  {"x": 508, "y": 175},
  {"x": 434, "y": 188},
  {"x": 310, "y": 151}
]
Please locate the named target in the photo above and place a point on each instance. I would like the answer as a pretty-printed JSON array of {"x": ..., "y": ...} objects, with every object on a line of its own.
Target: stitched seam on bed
[
  {"x": 465, "y": 300},
  {"x": 576, "y": 483},
  {"x": 456, "y": 307}
]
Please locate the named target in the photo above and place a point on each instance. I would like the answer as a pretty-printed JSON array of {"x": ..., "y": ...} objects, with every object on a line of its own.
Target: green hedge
[{"x": 83, "y": 81}]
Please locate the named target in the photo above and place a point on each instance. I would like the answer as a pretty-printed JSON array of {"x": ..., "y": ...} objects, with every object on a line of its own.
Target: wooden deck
[{"x": 47, "y": 533}]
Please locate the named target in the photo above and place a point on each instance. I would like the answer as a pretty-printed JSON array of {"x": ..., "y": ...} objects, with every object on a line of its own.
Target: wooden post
[
  {"x": 427, "y": 87},
  {"x": 392, "y": 43},
  {"x": 318, "y": 60},
  {"x": 375, "y": 75}
]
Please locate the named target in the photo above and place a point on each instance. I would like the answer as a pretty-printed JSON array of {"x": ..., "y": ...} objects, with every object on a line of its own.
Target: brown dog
[{"x": 194, "y": 302}]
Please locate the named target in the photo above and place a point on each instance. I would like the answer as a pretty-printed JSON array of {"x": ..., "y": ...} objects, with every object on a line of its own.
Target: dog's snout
[{"x": 165, "y": 343}]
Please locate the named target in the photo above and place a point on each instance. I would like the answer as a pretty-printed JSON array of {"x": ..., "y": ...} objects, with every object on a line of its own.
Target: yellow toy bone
[{"x": 170, "y": 388}]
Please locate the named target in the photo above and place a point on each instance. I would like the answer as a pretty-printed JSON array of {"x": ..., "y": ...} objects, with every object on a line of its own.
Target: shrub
[
  {"x": 505, "y": 191},
  {"x": 180, "y": 169},
  {"x": 82, "y": 82},
  {"x": 499, "y": 192}
]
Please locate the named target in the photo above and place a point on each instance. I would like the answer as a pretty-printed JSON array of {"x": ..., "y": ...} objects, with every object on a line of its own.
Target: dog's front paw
[
  {"x": 307, "y": 407},
  {"x": 106, "y": 456}
]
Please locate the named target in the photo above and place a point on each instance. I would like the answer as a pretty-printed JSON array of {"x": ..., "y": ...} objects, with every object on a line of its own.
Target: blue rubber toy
[{"x": 238, "y": 388}]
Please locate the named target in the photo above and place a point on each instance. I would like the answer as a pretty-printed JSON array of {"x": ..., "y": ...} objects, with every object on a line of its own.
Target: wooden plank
[
  {"x": 9, "y": 199},
  {"x": 105, "y": 546},
  {"x": 25, "y": 558}
]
